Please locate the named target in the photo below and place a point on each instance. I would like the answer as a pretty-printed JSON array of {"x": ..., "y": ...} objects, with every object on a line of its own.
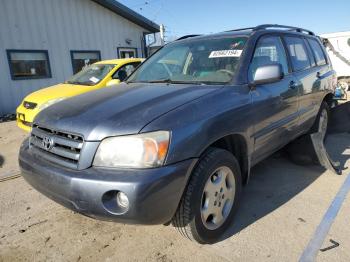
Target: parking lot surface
[{"x": 281, "y": 208}]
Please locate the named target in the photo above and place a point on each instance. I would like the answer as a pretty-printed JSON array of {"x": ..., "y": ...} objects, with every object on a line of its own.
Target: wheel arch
[
  {"x": 237, "y": 145},
  {"x": 328, "y": 98}
]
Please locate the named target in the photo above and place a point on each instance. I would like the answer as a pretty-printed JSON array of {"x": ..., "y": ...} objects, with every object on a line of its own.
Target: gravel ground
[
  {"x": 11, "y": 138},
  {"x": 281, "y": 208}
]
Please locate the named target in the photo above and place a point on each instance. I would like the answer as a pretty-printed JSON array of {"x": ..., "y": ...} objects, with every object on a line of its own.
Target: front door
[{"x": 275, "y": 104}]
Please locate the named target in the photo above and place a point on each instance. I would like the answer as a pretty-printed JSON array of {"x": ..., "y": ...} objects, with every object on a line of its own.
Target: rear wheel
[
  {"x": 322, "y": 119},
  {"x": 211, "y": 197},
  {"x": 301, "y": 151}
]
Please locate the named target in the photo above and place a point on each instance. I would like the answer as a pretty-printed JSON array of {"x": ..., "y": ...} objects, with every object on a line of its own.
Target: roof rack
[
  {"x": 186, "y": 36},
  {"x": 265, "y": 26},
  {"x": 291, "y": 28},
  {"x": 241, "y": 29}
]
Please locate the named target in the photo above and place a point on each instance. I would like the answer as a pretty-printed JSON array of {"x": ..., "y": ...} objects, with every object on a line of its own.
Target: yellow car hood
[{"x": 57, "y": 91}]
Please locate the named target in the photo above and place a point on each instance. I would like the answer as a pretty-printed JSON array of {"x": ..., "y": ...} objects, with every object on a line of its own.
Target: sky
[{"x": 182, "y": 17}]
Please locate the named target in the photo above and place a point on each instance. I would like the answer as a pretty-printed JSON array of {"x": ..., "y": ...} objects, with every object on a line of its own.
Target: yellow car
[{"x": 92, "y": 77}]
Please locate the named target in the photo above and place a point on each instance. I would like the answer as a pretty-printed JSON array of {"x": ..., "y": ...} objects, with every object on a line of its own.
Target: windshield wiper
[
  {"x": 86, "y": 83},
  {"x": 73, "y": 82},
  {"x": 170, "y": 81},
  {"x": 167, "y": 80}
]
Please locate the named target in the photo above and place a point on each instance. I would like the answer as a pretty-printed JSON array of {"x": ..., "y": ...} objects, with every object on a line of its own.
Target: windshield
[
  {"x": 201, "y": 61},
  {"x": 91, "y": 75}
]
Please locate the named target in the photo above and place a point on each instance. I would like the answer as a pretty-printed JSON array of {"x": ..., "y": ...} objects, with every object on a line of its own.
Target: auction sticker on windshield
[
  {"x": 94, "y": 79},
  {"x": 225, "y": 53}
]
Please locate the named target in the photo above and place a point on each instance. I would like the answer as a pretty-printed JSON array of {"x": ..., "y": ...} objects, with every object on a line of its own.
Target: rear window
[
  {"x": 298, "y": 53},
  {"x": 317, "y": 50}
]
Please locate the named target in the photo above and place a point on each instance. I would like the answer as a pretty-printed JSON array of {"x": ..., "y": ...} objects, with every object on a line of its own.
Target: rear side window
[
  {"x": 269, "y": 50},
  {"x": 310, "y": 54},
  {"x": 298, "y": 53},
  {"x": 317, "y": 50}
]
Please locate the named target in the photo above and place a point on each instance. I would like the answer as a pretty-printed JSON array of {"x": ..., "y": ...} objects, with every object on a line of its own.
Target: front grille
[
  {"x": 29, "y": 105},
  {"x": 56, "y": 146}
]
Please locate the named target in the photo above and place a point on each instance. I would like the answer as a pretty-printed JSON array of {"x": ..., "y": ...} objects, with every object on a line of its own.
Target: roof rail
[
  {"x": 241, "y": 29},
  {"x": 186, "y": 36},
  {"x": 265, "y": 26},
  {"x": 292, "y": 28}
]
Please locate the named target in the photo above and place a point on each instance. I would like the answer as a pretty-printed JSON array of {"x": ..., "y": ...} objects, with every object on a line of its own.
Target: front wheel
[{"x": 211, "y": 197}]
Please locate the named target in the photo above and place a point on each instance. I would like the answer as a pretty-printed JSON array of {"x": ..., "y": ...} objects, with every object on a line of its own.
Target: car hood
[
  {"x": 57, "y": 91},
  {"x": 118, "y": 111}
]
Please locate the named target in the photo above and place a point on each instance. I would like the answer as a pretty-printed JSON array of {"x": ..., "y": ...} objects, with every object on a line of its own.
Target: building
[
  {"x": 43, "y": 42},
  {"x": 338, "y": 48}
]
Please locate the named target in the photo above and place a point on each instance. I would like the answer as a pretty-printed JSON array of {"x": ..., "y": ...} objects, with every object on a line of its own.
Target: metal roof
[{"x": 129, "y": 14}]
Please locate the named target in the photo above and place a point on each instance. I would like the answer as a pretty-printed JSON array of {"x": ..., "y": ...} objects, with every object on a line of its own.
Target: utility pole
[{"x": 161, "y": 29}]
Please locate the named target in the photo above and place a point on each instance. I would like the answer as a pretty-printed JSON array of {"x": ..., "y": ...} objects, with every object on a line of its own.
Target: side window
[
  {"x": 310, "y": 54},
  {"x": 269, "y": 50},
  {"x": 298, "y": 53},
  {"x": 125, "y": 71},
  {"x": 317, "y": 50}
]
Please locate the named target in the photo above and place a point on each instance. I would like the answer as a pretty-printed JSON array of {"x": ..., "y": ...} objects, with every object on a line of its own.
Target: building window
[
  {"x": 127, "y": 52},
  {"x": 29, "y": 64},
  {"x": 80, "y": 59}
]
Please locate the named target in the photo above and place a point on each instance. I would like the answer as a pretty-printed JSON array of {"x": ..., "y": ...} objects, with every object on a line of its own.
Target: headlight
[
  {"x": 50, "y": 102},
  {"x": 137, "y": 151}
]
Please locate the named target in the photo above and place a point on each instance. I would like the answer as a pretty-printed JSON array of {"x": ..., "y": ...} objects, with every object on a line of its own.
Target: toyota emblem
[{"x": 47, "y": 143}]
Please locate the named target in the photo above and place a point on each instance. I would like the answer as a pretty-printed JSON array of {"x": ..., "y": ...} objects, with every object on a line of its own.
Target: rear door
[
  {"x": 324, "y": 72},
  {"x": 275, "y": 104},
  {"x": 307, "y": 78}
]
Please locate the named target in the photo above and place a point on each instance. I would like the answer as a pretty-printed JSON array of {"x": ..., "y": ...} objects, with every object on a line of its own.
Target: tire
[
  {"x": 320, "y": 126},
  {"x": 204, "y": 193},
  {"x": 301, "y": 151}
]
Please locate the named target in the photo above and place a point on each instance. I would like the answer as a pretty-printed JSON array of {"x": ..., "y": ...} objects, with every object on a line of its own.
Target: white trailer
[{"x": 338, "y": 48}]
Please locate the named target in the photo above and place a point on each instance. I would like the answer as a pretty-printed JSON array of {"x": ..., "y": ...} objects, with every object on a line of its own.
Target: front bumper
[{"x": 154, "y": 194}]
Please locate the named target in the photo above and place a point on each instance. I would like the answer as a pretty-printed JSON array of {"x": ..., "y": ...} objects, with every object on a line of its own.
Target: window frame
[
  {"x": 280, "y": 36},
  {"x": 290, "y": 57},
  {"x": 8, "y": 53},
  {"x": 322, "y": 50},
  {"x": 119, "y": 49},
  {"x": 82, "y": 51},
  {"x": 310, "y": 52}
]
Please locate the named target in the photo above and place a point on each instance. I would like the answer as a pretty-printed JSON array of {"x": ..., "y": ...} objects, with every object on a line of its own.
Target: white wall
[{"x": 57, "y": 26}]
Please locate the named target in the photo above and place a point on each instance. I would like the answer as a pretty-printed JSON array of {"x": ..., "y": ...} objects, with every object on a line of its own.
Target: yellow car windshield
[{"x": 91, "y": 75}]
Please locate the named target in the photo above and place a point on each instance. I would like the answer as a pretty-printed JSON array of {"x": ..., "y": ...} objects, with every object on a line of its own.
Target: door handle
[{"x": 292, "y": 85}]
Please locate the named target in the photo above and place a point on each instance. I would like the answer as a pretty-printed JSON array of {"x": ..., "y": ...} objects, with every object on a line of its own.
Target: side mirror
[
  {"x": 267, "y": 74},
  {"x": 113, "y": 82}
]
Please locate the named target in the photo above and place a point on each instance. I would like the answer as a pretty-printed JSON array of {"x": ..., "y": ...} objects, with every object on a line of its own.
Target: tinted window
[
  {"x": 317, "y": 50},
  {"x": 269, "y": 50},
  {"x": 297, "y": 52},
  {"x": 310, "y": 54},
  {"x": 28, "y": 64}
]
